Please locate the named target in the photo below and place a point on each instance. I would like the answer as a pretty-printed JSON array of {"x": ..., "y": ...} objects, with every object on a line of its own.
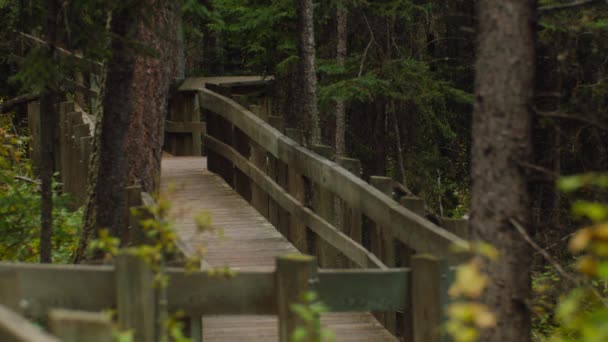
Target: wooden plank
[
  {"x": 404, "y": 259},
  {"x": 364, "y": 290},
  {"x": 136, "y": 298},
  {"x": 10, "y": 290},
  {"x": 295, "y": 184},
  {"x": 459, "y": 227},
  {"x": 426, "y": 298},
  {"x": 298, "y": 212},
  {"x": 405, "y": 225},
  {"x": 82, "y": 287},
  {"x": 201, "y": 293},
  {"x": 324, "y": 203},
  {"x": 294, "y": 278},
  {"x": 185, "y": 127},
  {"x": 77, "y": 326},
  {"x": 14, "y": 328}
]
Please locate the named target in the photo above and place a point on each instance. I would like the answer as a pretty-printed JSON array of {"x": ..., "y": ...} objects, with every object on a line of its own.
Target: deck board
[{"x": 249, "y": 242}]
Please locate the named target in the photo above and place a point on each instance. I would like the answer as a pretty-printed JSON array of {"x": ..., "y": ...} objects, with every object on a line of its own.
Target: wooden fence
[
  {"x": 35, "y": 290},
  {"x": 317, "y": 200}
]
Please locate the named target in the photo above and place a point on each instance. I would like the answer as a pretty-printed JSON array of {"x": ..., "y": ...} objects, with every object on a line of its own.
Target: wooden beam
[
  {"x": 295, "y": 277},
  {"x": 136, "y": 298},
  {"x": 77, "y": 326},
  {"x": 78, "y": 287},
  {"x": 15, "y": 328}
]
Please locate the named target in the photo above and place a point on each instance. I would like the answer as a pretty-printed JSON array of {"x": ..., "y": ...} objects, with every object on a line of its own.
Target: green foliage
[
  {"x": 466, "y": 314},
  {"x": 20, "y": 209},
  {"x": 309, "y": 311},
  {"x": 580, "y": 312}
]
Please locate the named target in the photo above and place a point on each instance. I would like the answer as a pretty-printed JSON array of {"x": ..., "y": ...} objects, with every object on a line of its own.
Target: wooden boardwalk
[{"x": 249, "y": 242}]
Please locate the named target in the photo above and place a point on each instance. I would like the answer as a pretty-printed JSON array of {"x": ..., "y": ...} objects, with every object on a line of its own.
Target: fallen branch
[
  {"x": 579, "y": 3},
  {"x": 14, "y": 102},
  {"x": 27, "y": 179}
]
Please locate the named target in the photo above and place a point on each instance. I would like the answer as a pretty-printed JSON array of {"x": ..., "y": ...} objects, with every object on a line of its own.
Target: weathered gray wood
[
  {"x": 297, "y": 230},
  {"x": 259, "y": 199},
  {"x": 185, "y": 127},
  {"x": 199, "y": 293},
  {"x": 277, "y": 122},
  {"x": 415, "y": 204},
  {"x": 324, "y": 206},
  {"x": 81, "y": 287},
  {"x": 352, "y": 220},
  {"x": 77, "y": 326},
  {"x": 426, "y": 298},
  {"x": 299, "y": 214},
  {"x": 10, "y": 290},
  {"x": 383, "y": 245},
  {"x": 14, "y": 328},
  {"x": 459, "y": 227},
  {"x": 295, "y": 277},
  {"x": 404, "y": 256},
  {"x": 136, "y": 298},
  {"x": 406, "y": 226},
  {"x": 242, "y": 183},
  {"x": 184, "y": 117},
  {"x": 364, "y": 290}
]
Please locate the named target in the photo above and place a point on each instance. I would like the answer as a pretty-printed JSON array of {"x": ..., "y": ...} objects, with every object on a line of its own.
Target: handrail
[{"x": 404, "y": 225}]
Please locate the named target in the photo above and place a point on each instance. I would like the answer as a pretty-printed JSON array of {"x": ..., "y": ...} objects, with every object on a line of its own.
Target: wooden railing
[
  {"x": 34, "y": 290},
  {"x": 302, "y": 190},
  {"x": 73, "y": 147}
]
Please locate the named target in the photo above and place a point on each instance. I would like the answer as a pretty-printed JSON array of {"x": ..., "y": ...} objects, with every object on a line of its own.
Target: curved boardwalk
[{"x": 249, "y": 242}]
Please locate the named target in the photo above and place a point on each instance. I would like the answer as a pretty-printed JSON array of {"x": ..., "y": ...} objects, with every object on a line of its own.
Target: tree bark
[
  {"x": 48, "y": 121},
  {"x": 501, "y": 141},
  {"x": 134, "y": 110},
  {"x": 308, "y": 74},
  {"x": 341, "y": 50}
]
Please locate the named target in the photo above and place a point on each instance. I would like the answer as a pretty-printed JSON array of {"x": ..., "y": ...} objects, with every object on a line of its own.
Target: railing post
[
  {"x": 76, "y": 326},
  {"x": 431, "y": 279},
  {"x": 242, "y": 184},
  {"x": 324, "y": 205},
  {"x": 383, "y": 246},
  {"x": 10, "y": 291},
  {"x": 352, "y": 220},
  {"x": 460, "y": 227},
  {"x": 404, "y": 259},
  {"x": 297, "y": 230},
  {"x": 183, "y": 108},
  {"x": 259, "y": 199},
  {"x": 295, "y": 276},
  {"x": 136, "y": 297},
  {"x": 277, "y": 170}
]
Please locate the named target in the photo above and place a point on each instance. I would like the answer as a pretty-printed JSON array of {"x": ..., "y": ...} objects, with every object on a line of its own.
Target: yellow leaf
[{"x": 580, "y": 240}]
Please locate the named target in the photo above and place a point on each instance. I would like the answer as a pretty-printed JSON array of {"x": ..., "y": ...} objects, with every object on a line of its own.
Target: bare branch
[
  {"x": 573, "y": 4},
  {"x": 558, "y": 267},
  {"x": 561, "y": 115}
]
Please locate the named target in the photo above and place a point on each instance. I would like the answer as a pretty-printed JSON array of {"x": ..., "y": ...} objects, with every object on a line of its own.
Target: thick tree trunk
[
  {"x": 341, "y": 48},
  {"x": 48, "y": 121},
  {"x": 130, "y": 142},
  {"x": 308, "y": 74},
  {"x": 501, "y": 140}
]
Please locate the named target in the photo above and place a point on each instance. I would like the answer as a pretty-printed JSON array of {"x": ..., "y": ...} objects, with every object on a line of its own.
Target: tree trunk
[
  {"x": 134, "y": 110},
  {"x": 48, "y": 121},
  {"x": 501, "y": 140},
  {"x": 306, "y": 47},
  {"x": 341, "y": 48}
]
